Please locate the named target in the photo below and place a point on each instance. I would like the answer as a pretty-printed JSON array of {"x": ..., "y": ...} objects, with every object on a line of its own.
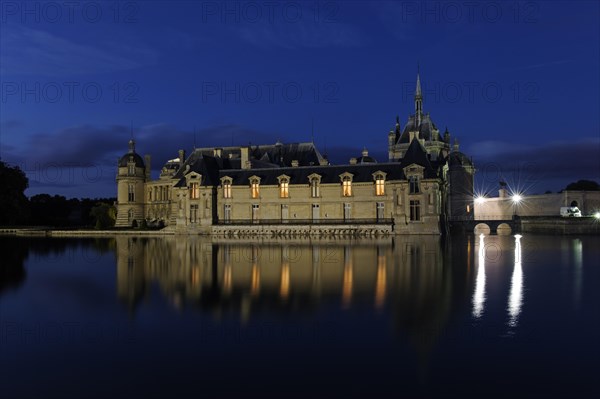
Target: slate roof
[
  {"x": 214, "y": 168},
  {"x": 457, "y": 158},
  {"x": 139, "y": 161},
  {"x": 270, "y": 155},
  {"x": 425, "y": 129}
]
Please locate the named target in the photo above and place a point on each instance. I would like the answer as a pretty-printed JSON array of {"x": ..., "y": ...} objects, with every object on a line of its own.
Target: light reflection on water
[
  {"x": 515, "y": 298},
  {"x": 399, "y": 307},
  {"x": 479, "y": 294}
]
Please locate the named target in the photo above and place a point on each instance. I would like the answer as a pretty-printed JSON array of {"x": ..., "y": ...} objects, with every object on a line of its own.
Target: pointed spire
[
  {"x": 418, "y": 99},
  {"x": 418, "y": 89}
]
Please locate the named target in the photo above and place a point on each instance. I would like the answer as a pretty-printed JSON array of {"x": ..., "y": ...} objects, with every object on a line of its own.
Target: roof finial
[{"x": 131, "y": 142}]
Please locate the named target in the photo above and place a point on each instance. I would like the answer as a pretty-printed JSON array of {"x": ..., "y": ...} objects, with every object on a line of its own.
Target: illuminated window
[
  {"x": 415, "y": 211},
  {"x": 413, "y": 185},
  {"x": 284, "y": 188},
  {"x": 194, "y": 191},
  {"x": 227, "y": 189},
  {"x": 254, "y": 189},
  {"x": 347, "y": 186},
  {"x": 379, "y": 185}
]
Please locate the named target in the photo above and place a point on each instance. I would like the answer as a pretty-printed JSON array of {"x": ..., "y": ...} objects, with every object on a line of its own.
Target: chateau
[{"x": 285, "y": 189}]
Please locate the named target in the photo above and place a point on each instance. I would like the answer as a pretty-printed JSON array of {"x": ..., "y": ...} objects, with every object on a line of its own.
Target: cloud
[
  {"x": 27, "y": 51},
  {"x": 548, "y": 164},
  {"x": 90, "y": 145}
]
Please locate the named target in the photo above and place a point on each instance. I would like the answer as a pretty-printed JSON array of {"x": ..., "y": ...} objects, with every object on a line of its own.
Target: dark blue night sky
[{"x": 516, "y": 82}]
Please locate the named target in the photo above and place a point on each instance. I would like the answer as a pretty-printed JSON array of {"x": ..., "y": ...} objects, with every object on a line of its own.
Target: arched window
[
  {"x": 284, "y": 186},
  {"x": 379, "y": 183},
  {"x": 255, "y": 187},
  {"x": 346, "y": 184},
  {"x": 314, "y": 183}
]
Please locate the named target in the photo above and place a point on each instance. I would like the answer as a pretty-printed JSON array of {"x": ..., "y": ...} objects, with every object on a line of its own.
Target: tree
[
  {"x": 48, "y": 210},
  {"x": 13, "y": 202},
  {"x": 583, "y": 185},
  {"x": 104, "y": 215}
]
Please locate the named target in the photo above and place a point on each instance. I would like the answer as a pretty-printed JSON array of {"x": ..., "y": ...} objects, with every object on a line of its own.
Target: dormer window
[
  {"x": 194, "y": 190},
  {"x": 226, "y": 182},
  {"x": 379, "y": 183},
  {"x": 255, "y": 187},
  {"x": 284, "y": 186},
  {"x": 227, "y": 190},
  {"x": 346, "y": 184},
  {"x": 413, "y": 185},
  {"x": 314, "y": 182}
]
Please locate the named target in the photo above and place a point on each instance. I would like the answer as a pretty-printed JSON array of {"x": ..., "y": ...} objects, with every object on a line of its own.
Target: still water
[{"x": 492, "y": 316}]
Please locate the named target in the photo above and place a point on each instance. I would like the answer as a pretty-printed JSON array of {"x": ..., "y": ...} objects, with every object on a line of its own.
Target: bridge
[{"x": 469, "y": 225}]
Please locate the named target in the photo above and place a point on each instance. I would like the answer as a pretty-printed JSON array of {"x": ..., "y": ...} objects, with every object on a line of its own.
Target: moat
[{"x": 401, "y": 316}]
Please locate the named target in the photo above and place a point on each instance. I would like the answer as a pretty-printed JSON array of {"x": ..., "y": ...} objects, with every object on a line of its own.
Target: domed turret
[
  {"x": 131, "y": 157},
  {"x": 131, "y": 177},
  {"x": 365, "y": 158}
]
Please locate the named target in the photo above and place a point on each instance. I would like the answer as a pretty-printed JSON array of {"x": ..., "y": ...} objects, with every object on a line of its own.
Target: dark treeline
[{"x": 48, "y": 210}]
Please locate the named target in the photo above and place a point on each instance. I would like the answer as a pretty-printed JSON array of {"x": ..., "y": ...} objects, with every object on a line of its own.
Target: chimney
[
  {"x": 148, "y": 167},
  {"x": 181, "y": 157},
  {"x": 352, "y": 161},
  {"x": 294, "y": 163},
  {"x": 391, "y": 138},
  {"x": 245, "y": 161},
  {"x": 502, "y": 190},
  {"x": 217, "y": 152}
]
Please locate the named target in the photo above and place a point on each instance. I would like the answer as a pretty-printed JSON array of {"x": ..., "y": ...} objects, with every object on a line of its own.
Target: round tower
[{"x": 131, "y": 176}]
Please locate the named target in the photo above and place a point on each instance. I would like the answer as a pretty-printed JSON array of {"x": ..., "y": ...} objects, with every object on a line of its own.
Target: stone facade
[{"x": 292, "y": 186}]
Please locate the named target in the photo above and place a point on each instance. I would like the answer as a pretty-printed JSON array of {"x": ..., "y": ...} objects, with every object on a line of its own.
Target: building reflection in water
[
  {"x": 479, "y": 293},
  {"x": 406, "y": 276},
  {"x": 578, "y": 271},
  {"x": 515, "y": 298}
]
